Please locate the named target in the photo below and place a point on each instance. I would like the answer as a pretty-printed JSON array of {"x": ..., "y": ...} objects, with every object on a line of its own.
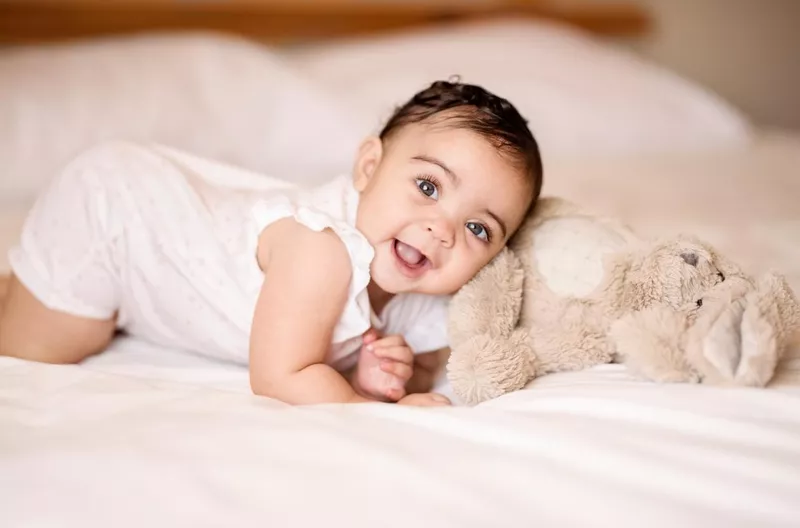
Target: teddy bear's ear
[
  {"x": 690, "y": 258},
  {"x": 490, "y": 303}
]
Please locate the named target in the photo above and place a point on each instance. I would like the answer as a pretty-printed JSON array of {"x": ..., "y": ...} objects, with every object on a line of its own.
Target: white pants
[{"x": 129, "y": 232}]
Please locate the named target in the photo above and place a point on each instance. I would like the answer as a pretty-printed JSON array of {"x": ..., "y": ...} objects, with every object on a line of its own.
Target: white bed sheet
[
  {"x": 142, "y": 436},
  {"x": 596, "y": 448}
]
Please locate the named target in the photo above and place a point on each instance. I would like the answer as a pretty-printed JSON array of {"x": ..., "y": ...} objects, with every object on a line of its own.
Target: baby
[{"x": 336, "y": 293}]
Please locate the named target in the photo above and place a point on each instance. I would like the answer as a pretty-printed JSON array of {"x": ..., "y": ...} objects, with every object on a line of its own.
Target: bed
[{"x": 144, "y": 436}]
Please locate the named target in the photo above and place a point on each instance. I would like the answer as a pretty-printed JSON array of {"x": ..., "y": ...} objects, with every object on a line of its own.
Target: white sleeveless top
[{"x": 256, "y": 201}]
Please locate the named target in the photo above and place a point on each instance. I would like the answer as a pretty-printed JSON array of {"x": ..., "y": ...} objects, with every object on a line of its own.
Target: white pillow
[
  {"x": 581, "y": 96},
  {"x": 216, "y": 96}
]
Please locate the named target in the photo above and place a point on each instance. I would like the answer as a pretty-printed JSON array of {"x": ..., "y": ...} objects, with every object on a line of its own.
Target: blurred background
[
  {"x": 673, "y": 114},
  {"x": 747, "y": 50}
]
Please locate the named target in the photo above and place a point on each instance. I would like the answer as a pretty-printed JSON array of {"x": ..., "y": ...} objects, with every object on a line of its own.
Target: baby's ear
[{"x": 369, "y": 157}]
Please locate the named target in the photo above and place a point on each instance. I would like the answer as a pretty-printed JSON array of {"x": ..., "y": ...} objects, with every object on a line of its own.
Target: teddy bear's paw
[
  {"x": 759, "y": 350},
  {"x": 663, "y": 373},
  {"x": 720, "y": 346},
  {"x": 775, "y": 297},
  {"x": 485, "y": 367},
  {"x": 678, "y": 376},
  {"x": 740, "y": 346},
  {"x": 648, "y": 342}
]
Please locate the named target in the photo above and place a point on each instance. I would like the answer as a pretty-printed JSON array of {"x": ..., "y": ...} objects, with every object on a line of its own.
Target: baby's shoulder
[
  {"x": 289, "y": 241},
  {"x": 323, "y": 218}
]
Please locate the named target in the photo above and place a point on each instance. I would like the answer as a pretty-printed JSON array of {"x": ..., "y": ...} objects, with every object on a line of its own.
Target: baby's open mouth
[{"x": 408, "y": 256}]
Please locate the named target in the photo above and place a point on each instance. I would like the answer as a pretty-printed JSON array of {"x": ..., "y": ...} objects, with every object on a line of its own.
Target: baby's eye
[
  {"x": 479, "y": 230},
  {"x": 428, "y": 188}
]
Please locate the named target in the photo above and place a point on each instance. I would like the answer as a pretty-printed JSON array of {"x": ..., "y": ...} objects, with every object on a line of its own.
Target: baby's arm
[{"x": 306, "y": 280}]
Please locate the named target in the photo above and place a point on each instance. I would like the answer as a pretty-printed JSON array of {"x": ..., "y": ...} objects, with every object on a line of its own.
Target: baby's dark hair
[{"x": 479, "y": 110}]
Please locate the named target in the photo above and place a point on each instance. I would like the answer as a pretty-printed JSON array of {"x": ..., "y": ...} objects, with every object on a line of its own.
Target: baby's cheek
[
  {"x": 456, "y": 277},
  {"x": 474, "y": 263}
]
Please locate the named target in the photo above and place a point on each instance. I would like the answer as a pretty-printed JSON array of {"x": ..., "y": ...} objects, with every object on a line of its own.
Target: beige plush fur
[{"x": 671, "y": 310}]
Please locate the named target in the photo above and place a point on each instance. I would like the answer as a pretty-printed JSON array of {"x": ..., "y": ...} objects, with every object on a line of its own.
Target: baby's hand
[{"x": 384, "y": 367}]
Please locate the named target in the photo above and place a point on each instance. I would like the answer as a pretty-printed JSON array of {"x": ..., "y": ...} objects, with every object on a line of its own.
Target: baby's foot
[{"x": 425, "y": 399}]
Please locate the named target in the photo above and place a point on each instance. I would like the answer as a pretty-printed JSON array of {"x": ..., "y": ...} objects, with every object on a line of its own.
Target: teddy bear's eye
[
  {"x": 699, "y": 303},
  {"x": 721, "y": 276}
]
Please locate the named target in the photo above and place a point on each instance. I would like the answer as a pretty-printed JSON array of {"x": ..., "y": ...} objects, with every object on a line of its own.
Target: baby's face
[{"x": 437, "y": 204}]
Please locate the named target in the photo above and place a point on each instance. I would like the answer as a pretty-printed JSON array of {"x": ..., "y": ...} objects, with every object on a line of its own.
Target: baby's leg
[
  {"x": 63, "y": 297},
  {"x": 30, "y": 330},
  {"x": 4, "y": 281}
]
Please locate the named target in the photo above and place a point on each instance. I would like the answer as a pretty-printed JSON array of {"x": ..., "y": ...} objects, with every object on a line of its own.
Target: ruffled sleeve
[{"x": 355, "y": 319}]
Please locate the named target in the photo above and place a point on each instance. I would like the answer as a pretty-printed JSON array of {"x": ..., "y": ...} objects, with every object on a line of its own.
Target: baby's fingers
[
  {"x": 401, "y": 353},
  {"x": 370, "y": 336},
  {"x": 401, "y": 370}
]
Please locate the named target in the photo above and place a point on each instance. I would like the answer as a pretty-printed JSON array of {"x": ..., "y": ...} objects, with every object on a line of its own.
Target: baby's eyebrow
[{"x": 454, "y": 179}]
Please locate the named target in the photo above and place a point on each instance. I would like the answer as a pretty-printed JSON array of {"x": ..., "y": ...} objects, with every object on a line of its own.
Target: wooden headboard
[{"x": 281, "y": 21}]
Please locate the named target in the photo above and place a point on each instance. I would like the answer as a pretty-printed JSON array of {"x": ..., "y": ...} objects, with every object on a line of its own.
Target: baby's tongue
[{"x": 409, "y": 254}]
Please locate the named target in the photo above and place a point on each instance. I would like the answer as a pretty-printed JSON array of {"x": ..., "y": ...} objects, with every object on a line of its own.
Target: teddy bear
[{"x": 574, "y": 289}]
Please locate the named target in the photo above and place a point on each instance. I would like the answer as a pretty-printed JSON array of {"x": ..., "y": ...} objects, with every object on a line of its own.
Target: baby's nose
[{"x": 442, "y": 230}]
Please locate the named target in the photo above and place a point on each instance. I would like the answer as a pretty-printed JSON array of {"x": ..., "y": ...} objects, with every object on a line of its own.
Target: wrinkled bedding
[{"x": 141, "y": 436}]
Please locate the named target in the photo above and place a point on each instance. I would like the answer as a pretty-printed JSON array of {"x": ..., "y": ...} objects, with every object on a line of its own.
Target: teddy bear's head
[{"x": 674, "y": 272}]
